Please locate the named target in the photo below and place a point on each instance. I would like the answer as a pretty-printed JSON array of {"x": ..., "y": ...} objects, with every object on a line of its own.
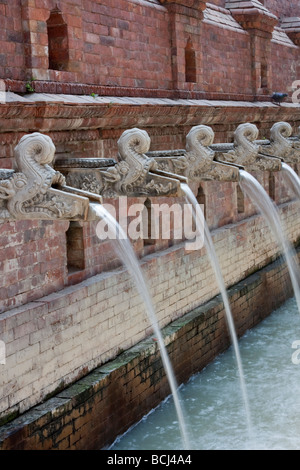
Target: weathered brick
[{"x": 120, "y": 31}]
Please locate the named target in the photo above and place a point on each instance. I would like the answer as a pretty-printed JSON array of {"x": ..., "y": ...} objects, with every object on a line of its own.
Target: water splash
[
  {"x": 265, "y": 205},
  {"x": 216, "y": 267},
  {"x": 124, "y": 250},
  {"x": 291, "y": 178}
]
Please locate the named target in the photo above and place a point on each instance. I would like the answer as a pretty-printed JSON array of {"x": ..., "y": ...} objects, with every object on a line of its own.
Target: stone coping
[
  {"x": 58, "y": 112},
  {"x": 87, "y": 99}
]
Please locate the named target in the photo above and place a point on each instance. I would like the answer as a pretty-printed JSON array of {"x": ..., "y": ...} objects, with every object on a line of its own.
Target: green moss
[
  {"x": 9, "y": 417},
  {"x": 58, "y": 389}
]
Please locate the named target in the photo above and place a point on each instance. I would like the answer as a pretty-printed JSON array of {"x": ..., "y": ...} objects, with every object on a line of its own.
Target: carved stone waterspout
[
  {"x": 135, "y": 174},
  {"x": 196, "y": 162},
  {"x": 295, "y": 140},
  {"x": 280, "y": 145},
  {"x": 246, "y": 152},
  {"x": 28, "y": 193}
]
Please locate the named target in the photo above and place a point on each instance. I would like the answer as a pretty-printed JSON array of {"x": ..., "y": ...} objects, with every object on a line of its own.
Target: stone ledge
[
  {"x": 56, "y": 113},
  {"x": 53, "y": 87}
]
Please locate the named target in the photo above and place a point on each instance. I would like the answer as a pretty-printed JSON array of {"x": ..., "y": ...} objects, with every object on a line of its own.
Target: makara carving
[
  {"x": 248, "y": 153},
  {"x": 28, "y": 193},
  {"x": 296, "y": 140},
  {"x": 280, "y": 144},
  {"x": 135, "y": 174},
  {"x": 36, "y": 190},
  {"x": 197, "y": 162}
]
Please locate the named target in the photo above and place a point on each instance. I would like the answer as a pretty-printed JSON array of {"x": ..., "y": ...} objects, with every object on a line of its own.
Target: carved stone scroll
[
  {"x": 296, "y": 141},
  {"x": 197, "y": 162},
  {"x": 27, "y": 192},
  {"x": 280, "y": 145},
  {"x": 135, "y": 174},
  {"x": 247, "y": 153}
]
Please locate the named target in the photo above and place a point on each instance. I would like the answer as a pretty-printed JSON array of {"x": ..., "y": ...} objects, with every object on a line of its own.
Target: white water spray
[
  {"x": 291, "y": 178},
  {"x": 216, "y": 267},
  {"x": 265, "y": 205},
  {"x": 127, "y": 255}
]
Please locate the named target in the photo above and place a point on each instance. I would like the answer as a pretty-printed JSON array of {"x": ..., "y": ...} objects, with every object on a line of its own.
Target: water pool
[{"x": 212, "y": 401}]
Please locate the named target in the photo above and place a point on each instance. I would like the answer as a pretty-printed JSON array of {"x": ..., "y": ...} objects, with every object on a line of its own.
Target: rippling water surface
[{"x": 212, "y": 401}]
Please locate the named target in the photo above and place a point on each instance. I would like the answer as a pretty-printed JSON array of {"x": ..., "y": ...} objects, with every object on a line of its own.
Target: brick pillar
[
  {"x": 35, "y": 39},
  {"x": 185, "y": 26},
  {"x": 260, "y": 23}
]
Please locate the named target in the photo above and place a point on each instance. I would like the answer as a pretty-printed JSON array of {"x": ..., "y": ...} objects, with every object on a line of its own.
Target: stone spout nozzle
[
  {"x": 80, "y": 192},
  {"x": 89, "y": 211},
  {"x": 260, "y": 163},
  {"x": 222, "y": 171},
  {"x": 172, "y": 178},
  {"x": 268, "y": 163}
]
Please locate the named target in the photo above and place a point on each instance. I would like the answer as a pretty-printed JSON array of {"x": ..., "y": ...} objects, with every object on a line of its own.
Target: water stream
[
  {"x": 220, "y": 280},
  {"x": 291, "y": 178},
  {"x": 124, "y": 250},
  {"x": 213, "y": 402},
  {"x": 254, "y": 190}
]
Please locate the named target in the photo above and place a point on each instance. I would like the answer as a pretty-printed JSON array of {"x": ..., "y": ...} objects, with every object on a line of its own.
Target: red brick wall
[
  {"x": 126, "y": 43},
  {"x": 131, "y": 45},
  {"x": 226, "y": 60},
  {"x": 12, "y": 52},
  {"x": 33, "y": 260},
  {"x": 110, "y": 43},
  {"x": 285, "y": 70}
]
